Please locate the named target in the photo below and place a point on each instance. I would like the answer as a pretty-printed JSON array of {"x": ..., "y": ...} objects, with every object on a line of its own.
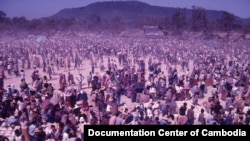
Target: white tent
[{"x": 40, "y": 38}]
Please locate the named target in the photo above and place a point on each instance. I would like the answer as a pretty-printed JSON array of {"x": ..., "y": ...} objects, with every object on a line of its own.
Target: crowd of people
[{"x": 165, "y": 81}]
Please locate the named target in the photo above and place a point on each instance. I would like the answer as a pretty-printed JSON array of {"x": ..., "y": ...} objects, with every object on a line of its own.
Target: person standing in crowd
[
  {"x": 183, "y": 109},
  {"x": 217, "y": 76},
  {"x": 89, "y": 79},
  {"x": 32, "y": 127},
  {"x": 80, "y": 80},
  {"x": 24, "y": 128},
  {"x": 190, "y": 115},
  {"x": 22, "y": 74},
  {"x": 49, "y": 71},
  {"x": 9, "y": 68},
  {"x": 201, "y": 118},
  {"x": 71, "y": 79},
  {"x": 18, "y": 135}
]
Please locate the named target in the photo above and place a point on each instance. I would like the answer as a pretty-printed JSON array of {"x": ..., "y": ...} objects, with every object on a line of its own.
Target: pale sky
[{"x": 44, "y": 8}]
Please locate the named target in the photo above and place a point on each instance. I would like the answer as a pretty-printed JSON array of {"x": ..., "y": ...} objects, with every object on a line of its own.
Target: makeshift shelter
[
  {"x": 153, "y": 30},
  {"x": 41, "y": 38}
]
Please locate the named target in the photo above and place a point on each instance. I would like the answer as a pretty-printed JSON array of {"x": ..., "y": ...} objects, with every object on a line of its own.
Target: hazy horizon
[{"x": 32, "y": 9}]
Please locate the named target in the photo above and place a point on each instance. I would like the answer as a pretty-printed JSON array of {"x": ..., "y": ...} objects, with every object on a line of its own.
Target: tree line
[{"x": 178, "y": 22}]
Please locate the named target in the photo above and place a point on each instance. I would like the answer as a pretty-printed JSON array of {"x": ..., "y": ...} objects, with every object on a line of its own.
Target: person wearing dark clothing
[
  {"x": 83, "y": 96},
  {"x": 190, "y": 116},
  {"x": 183, "y": 109},
  {"x": 217, "y": 108},
  {"x": 247, "y": 120},
  {"x": 40, "y": 135}
]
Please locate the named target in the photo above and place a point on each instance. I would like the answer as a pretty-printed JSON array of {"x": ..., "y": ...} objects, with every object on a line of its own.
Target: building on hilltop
[{"x": 153, "y": 30}]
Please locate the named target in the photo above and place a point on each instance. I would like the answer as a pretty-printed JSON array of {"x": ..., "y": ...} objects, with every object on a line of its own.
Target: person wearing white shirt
[
  {"x": 9, "y": 68},
  {"x": 17, "y": 135},
  {"x": 22, "y": 74},
  {"x": 149, "y": 112},
  {"x": 32, "y": 128},
  {"x": 81, "y": 127},
  {"x": 24, "y": 128},
  {"x": 65, "y": 136}
]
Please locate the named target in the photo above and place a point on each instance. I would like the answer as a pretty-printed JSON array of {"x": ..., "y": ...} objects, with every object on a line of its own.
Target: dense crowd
[{"x": 154, "y": 73}]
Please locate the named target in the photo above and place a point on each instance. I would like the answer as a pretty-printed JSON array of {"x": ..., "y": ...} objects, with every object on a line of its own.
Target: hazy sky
[{"x": 43, "y": 8}]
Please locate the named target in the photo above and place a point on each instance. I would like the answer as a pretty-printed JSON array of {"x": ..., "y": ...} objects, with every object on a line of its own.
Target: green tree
[
  {"x": 2, "y": 16},
  {"x": 199, "y": 19},
  {"x": 33, "y": 24},
  {"x": 20, "y": 22},
  {"x": 179, "y": 20},
  {"x": 117, "y": 24},
  {"x": 93, "y": 21},
  {"x": 151, "y": 21},
  {"x": 165, "y": 23},
  {"x": 227, "y": 21}
]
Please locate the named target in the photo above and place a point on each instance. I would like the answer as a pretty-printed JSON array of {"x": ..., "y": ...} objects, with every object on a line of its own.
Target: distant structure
[{"x": 150, "y": 30}]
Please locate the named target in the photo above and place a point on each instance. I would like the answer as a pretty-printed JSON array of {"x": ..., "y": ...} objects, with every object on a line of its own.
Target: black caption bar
[{"x": 92, "y": 132}]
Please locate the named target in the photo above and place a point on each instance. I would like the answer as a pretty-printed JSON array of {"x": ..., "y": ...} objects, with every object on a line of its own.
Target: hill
[
  {"x": 119, "y": 16},
  {"x": 129, "y": 11}
]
